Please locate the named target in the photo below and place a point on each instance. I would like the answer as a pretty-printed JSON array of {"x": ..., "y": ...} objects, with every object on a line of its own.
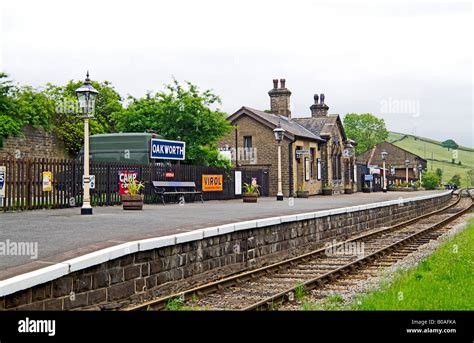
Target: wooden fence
[{"x": 24, "y": 184}]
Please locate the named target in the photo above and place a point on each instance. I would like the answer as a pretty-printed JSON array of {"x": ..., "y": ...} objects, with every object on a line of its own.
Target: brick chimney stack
[
  {"x": 319, "y": 108},
  {"x": 280, "y": 99}
]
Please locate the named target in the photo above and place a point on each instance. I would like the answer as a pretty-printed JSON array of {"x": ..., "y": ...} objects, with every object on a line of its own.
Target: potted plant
[
  {"x": 301, "y": 193},
  {"x": 133, "y": 200},
  {"x": 327, "y": 189},
  {"x": 251, "y": 192},
  {"x": 366, "y": 189}
]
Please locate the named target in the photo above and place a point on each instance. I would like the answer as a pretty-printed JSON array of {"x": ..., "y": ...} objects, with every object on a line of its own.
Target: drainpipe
[
  {"x": 290, "y": 165},
  {"x": 236, "y": 148}
]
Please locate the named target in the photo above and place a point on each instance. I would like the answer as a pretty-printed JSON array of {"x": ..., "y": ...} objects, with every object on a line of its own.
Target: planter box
[
  {"x": 250, "y": 197},
  {"x": 327, "y": 191},
  {"x": 302, "y": 194},
  {"x": 366, "y": 190},
  {"x": 348, "y": 191},
  {"x": 132, "y": 202}
]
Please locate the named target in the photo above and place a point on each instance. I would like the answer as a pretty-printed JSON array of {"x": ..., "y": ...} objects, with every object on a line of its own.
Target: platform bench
[{"x": 176, "y": 189}]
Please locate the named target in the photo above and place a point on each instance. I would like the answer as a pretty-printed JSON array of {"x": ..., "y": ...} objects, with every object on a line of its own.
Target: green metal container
[{"x": 120, "y": 147}]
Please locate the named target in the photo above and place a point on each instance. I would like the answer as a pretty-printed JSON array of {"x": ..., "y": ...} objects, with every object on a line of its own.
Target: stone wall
[
  {"x": 33, "y": 142},
  {"x": 266, "y": 155},
  {"x": 207, "y": 255}
]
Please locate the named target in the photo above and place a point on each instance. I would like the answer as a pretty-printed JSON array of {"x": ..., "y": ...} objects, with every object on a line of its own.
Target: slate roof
[
  {"x": 292, "y": 128},
  {"x": 321, "y": 126},
  {"x": 396, "y": 156}
]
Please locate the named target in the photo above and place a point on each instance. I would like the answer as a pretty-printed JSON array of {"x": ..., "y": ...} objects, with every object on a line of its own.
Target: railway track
[{"x": 270, "y": 286}]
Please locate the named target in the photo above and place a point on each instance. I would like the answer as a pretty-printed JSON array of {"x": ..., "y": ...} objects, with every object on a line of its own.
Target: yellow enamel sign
[
  {"x": 212, "y": 183},
  {"x": 47, "y": 181}
]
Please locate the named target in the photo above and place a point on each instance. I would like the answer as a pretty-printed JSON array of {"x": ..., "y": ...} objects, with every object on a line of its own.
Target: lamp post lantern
[
  {"x": 384, "y": 156},
  {"x": 279, "y": 132},
  {"x": 407, "y": 162},
  {"x": 86, "y": 95}
]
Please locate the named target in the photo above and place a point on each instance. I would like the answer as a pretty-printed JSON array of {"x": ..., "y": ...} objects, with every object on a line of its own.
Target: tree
[
  {"x": 439, "y": 173},
  {"x": 449, "y": 144},
  {"x": 456, "y": 180},
  {"x": 180, "y": 113},
  {"x": 366, "y": 129},
  {"x": 20, "y": 106},
  {"x": 430, "y": 180},
  {"x": 68, "y": 120},
  {"x": 8, "y": 124}
]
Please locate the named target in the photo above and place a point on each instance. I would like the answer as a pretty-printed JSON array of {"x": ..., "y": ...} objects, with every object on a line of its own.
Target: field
[
  {"x": 444, "y": 281},
  {"x": 437, "y": 156}
]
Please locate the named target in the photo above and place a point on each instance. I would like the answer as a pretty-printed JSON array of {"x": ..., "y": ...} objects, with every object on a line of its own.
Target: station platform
[{"x": 63, "y": 234}]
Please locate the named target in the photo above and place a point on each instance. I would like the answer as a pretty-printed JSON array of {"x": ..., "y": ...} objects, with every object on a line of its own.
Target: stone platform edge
[{"x": 37, "y": 277}]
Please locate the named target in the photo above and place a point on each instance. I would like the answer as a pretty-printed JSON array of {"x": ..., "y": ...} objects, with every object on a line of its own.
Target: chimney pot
[
  {"x": 280, "y": 99},
  {"x": 319, "y": 108},
  {"x": 316, "y": 99}
]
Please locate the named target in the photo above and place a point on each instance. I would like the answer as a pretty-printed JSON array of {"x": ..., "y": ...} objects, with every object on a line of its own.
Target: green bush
[{"x": 430, "y": 181}]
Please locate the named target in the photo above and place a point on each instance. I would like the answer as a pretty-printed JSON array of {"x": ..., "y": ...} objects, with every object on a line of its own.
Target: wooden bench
[{"x": 176, "y": 188}]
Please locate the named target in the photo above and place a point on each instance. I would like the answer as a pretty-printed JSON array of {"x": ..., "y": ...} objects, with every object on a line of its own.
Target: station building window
[{"x": 248, "y": 147}]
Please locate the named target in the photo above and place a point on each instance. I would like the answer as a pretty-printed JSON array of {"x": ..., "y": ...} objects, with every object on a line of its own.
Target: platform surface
[{"x": 63, "y": 234}]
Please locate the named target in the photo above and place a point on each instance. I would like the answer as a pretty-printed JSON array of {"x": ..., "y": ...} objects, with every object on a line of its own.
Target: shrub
[{"x": 430, "y": 181}]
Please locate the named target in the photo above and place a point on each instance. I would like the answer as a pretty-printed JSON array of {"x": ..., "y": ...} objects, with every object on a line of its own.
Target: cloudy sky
[{"x": 407, "y": 61}]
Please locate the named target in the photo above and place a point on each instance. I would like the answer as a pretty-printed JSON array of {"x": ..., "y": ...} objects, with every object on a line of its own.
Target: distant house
[
  {"x": 315, "y": 149},
  {"x": 394, "y": 162}
]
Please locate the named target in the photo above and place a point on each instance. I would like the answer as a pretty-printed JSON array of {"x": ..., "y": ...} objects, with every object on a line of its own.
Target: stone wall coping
[
  {"x": 30, "y": 279},
  {"x": 101, "y": 256}
]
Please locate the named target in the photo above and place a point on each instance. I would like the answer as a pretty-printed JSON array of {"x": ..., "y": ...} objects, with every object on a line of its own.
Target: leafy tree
[
  {"x": 430, "y": 180},
  {"x": 56, "y": 108},
  {"x": 439, "y": 173},
  {"x": 68, "y": 121},
  {"x": 181, "y": 113},
  {"x": 456, "y": 180},
  {"x": 8, "y": 125},
  {"x": 33, "y": 107},
  {"x": 366, "y": 129},
  {"x": 449, "y": 144}
]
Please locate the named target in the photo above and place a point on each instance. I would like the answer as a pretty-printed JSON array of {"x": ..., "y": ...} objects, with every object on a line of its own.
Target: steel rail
[{"x": 218, "y": 285}]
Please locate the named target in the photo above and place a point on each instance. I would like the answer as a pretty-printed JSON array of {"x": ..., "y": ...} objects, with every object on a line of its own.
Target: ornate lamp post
[
  {"x": 384, "y": 156},
  {"x": 279, "y": 132},
  {"x": 420, "y": 170},
  {"x": 349, "y": 153},
  {"x": 86, "y": 95},
  {"x": 407, "y": 162}
]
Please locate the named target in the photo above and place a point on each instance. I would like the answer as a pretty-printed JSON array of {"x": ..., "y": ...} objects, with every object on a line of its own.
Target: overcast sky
[{"x": 409, "y": 62}]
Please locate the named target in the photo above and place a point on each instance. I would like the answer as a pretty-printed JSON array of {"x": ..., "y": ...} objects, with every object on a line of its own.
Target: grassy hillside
[{"x": 436, "y": 155}]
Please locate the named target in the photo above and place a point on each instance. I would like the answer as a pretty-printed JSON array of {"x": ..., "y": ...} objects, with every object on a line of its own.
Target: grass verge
[{"x": 444, "y": 281}]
